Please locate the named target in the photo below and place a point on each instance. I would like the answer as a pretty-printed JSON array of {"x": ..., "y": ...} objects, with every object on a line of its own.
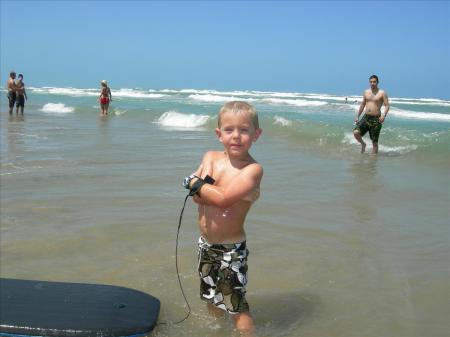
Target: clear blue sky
[{"x": 323, "y": 46}]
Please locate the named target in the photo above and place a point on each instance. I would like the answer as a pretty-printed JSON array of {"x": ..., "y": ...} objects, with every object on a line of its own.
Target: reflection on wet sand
[
  {"x": 15, "y": 136},
  {"x": 280, "y": 314},
  {"x": 364, "y": 189}
]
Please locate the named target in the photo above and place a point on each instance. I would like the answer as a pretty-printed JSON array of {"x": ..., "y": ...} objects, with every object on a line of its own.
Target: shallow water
[{"x": 341, "y": 244}]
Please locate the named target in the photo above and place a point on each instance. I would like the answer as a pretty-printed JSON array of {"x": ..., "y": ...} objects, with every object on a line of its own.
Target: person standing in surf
[
  {"x": 223, "y": 204},
  {"x": 11, "y": 87},
  {"x": 105, "y": 97},
  {"x": 372, "y": 121},
  {"x": 21, "y": 94}
]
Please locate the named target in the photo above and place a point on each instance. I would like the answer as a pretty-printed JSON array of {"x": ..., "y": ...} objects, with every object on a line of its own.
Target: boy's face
[{"x": 237, "y": 133}]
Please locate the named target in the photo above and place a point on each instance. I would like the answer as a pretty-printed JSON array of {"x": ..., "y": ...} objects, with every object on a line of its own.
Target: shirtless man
[
  {"x": 21, "y": 94},
  {"x": 372, "y": 121},
  {"x": 11, "y": 87}
]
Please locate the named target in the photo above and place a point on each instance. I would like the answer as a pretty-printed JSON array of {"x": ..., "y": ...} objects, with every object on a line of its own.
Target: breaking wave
[
  {"x": 179, "y": 120},
  {"x": 57, "y": 108}
]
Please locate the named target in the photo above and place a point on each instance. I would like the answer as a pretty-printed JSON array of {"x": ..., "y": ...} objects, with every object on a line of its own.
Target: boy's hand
[
  {"x": 192, "y": 182},
  {"x": 197, "y": 199}
]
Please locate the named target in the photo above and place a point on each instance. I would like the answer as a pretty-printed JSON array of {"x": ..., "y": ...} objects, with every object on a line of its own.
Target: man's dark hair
[
  {"x": 375, "y": 77},
  {"x": 20, "y": 76}
]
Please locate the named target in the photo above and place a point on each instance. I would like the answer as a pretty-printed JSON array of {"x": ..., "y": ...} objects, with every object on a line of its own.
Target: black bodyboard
[{"x": 42, "y": 308}]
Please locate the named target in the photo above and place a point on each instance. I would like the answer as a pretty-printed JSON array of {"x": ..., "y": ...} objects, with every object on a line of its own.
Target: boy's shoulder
[
  {"x": 255, "y": 168},
  {"x": 213, "y": 155}
]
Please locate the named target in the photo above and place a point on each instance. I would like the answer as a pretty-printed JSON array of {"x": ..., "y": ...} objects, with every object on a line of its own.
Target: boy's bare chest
[{"x": 224, "y": 173}]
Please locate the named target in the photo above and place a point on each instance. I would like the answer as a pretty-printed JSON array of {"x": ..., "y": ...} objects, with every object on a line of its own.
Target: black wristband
[
  {"x": 195, "y": 189},
  {"x": 209, "y": 180}
]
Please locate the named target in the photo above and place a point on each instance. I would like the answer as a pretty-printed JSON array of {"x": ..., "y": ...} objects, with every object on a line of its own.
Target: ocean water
[{"x": 341, "y": 243}]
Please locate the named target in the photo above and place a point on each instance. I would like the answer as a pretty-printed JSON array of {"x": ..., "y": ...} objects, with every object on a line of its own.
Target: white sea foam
[
  {"x": 322, "y": 96},
  {"x": 57, "y": 108},
  {"x": 155, "y": 93},
  {"x": 305, "y": 100},
  {"x": 216, "y": 98},
  {"x": 169, "y": 91},
  {"x": 282, "y": 95},
  {"x": 118, "y": 112},
  {"x": 135, "y": 94},
  {"x": 282, "y": 121},
  {"x": 179, "y": 120},
  {"x": 213, "y": 92},
  {"x": 419, "y": 115},
  {"x": 11, "y": 168},
  {"x": 67, "y": 91},
  {"x": 296, "y": 102},
  {"x": 427, "y": 102},
  {"x": 400, "y": 113},
  {"x": 196, "y": 91},
  {"x": 350, "y": 139}
]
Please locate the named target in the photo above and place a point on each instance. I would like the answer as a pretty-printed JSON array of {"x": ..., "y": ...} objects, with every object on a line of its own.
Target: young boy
[
  {"x": 21, "y": 94},
  {"x": 222, "y": 208}
]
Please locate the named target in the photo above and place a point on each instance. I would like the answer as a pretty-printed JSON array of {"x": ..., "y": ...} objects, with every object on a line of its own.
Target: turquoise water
[
  {"x": 413, "y": 125},
  {"x": 342, "y": 244}
]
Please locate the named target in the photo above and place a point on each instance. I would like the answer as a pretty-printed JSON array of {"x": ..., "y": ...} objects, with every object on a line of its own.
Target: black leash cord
[{"x": 176, "y": 266}]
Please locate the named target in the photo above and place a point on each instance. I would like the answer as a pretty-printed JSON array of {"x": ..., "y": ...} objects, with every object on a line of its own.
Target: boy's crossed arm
[
  {"x": 206, "y": 166},
  {"x": 225, "y": 196}
]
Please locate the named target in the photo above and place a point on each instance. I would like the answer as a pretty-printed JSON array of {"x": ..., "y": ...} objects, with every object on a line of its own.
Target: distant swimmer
[
  {"x": 11, "y": 87},
  {"x": 372, "y": 121},
  {"x": 105, "y": 97},
  {"x": 21, "y": 94}
]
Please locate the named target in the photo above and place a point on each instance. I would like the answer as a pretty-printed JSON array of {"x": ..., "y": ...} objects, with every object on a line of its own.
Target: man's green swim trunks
[
  {"x": 223, "y": 275},
  {"x": 371, "y": 124}
]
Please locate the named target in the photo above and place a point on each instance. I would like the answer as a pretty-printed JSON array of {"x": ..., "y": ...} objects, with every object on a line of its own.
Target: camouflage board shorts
[
  {"x": 223, "y": 275},
  {"x": 371, "y": 124}
]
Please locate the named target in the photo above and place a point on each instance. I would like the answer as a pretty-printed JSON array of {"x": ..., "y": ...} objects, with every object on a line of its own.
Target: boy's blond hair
[{"x": 239, "y": 107}]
